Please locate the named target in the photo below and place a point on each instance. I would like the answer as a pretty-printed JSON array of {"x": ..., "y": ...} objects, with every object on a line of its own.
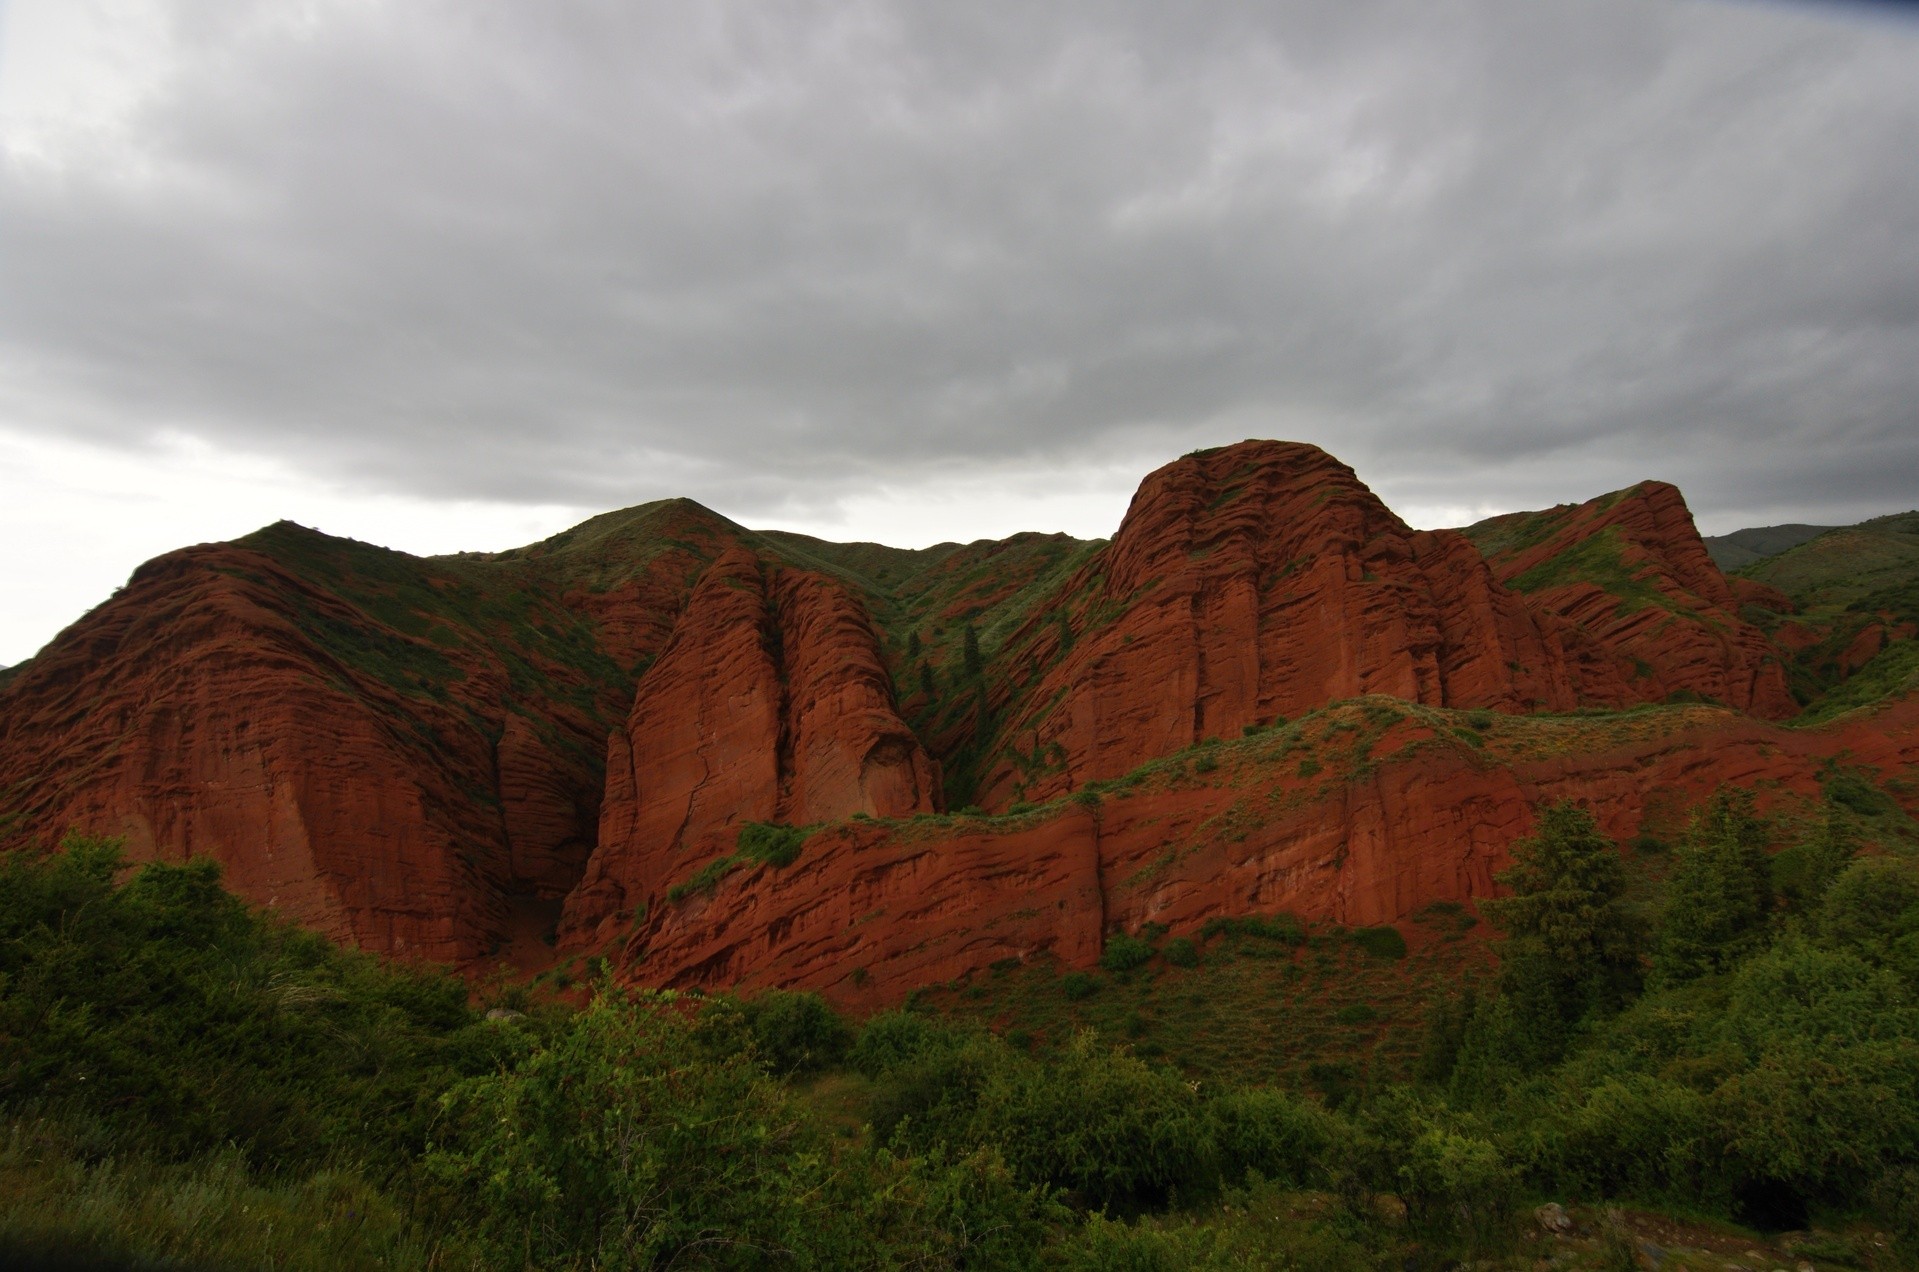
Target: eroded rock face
[
  {"x": 1256, "y": 582},
  {"x": 870, "y": 912},
  {"x": 425, "y": 756},
  {"x": 770, "y": 703},
  {"x": 191, "y": 715},
  {"x": 390, "y": 750},
  {"x": 1630, "y": 569}
]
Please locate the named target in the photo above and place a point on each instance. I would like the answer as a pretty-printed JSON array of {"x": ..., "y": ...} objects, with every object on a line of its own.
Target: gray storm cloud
[{"x": 765, "y": 254}]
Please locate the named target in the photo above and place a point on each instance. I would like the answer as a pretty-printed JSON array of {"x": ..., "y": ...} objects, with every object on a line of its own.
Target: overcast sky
[{"x": 457, "y": 273}]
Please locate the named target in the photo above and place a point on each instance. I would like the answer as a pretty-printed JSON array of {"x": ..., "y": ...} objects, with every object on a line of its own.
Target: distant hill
[
  {"x": 1741, "y": 548},
  {"x": 1873, "y": 565}
]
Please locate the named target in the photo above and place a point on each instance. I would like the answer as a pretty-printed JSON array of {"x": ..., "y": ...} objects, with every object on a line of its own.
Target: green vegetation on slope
[
  {"x": 1843, "y": 583},
  {"x": 1714, "y": 1030},
  {"x": 1598, "y": 559},
  {"x": 411, "y": 622},
  {"x": 1742, "y": 548},
  {"x": 1850, "y": 567}
]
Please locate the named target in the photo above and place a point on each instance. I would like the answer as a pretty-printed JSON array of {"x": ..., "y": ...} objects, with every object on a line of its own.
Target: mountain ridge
[{"x": 449, "y": 756}]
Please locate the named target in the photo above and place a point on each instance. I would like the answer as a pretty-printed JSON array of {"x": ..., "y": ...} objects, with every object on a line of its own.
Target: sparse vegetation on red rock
[{"x": 1266, "y": 693}]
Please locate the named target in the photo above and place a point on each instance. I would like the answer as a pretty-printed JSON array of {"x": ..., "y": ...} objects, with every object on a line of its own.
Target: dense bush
[
  {"x": 770, "y": 844},
  {"x": 624, "y": 1143},
  {"x": 1380, "y": 942},
  {"x": 165, "y": 1013},
  {"x": 1124, "y": 952},
  {"x": 1181, "y": 952},
  {"x": 794, "y": 1032},
  {"x": 1768, "y": 1070},
  {"x": 1282, "y": 929}
]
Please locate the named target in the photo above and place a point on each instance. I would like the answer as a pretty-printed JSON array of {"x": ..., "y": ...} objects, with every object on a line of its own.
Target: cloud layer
[{"x": 1491, "y": 252}]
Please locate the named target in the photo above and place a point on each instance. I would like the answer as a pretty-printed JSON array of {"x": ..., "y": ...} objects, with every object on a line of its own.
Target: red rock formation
[
  {"x": 549, "y": 803},
  {"x": 1411, "y": 814},
  {"x": 1631, "y": 569},
  {"x": 770, "y": 703},
  {"x": 406, "y": 754},
  {"x": 1259, "y": 581},
  {"x": 191, "y": 715}
]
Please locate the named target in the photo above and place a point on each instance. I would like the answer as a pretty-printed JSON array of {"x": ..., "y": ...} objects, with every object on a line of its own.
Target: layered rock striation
[
  {"x": 1630, "y": 569},
  {"x": 771, "y": 703},
  {"x": 1363, "y": 814},
  {"x": 1266, "y": 692},
  {"x": 1252, "y": 583}
]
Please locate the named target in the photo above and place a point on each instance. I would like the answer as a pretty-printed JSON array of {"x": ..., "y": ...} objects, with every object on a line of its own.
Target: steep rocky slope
[
  {"x": 770, "y": 704},
  {"x": 1851, "y": 610},
  {"x": 1362, "y": 813},
  {"x": 1630, "y": 569},
  {"x": 1252, "y": 583},
  {"x": 335, "y": 748},
  {"x": 987, "y": 750}
]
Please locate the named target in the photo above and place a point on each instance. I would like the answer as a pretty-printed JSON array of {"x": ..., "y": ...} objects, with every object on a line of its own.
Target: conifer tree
[
  {"x": 1720, "y": 897},
  {"x": 1571, "y": 940}
]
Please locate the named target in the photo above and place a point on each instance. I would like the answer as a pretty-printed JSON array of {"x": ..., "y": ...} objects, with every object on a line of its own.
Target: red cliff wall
[
  {"x": 1259, "y": 581},
  {"x": 1680, "y": 624},
  {"x": 870, "y": 912},
  {"x": 770, "y": 703}
]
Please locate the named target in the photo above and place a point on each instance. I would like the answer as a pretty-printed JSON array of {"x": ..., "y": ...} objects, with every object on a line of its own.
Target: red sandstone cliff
[
  {"x": 1258, "y": 581},
  {"x": 1630, "y": 569},
  {"x": 770, "y": 703},
  {"x": 425, "y": 756},
  {"x": 394, "y": 786},
  {"x": 1395, "y": 810},
  {"x": 191, "y": 715}
]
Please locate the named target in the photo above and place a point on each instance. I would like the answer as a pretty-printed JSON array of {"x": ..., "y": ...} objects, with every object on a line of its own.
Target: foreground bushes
[
  {"x": 625, "y": 1143},
  {"x": 169, "y": 1059},
  {"x": 160, "y": 1015}
]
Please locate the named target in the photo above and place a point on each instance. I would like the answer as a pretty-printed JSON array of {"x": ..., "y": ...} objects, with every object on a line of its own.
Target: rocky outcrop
[
  {"x": 387, "y": 749},
  {"x": 770, "y": 703},
  {"x": 445, "y": 757},
  {"x": 192, "y": 716},
  {"x": 1395, "y": 810},
  {"x": 1630, "y": 569},
  {"x": 1255, "y": 582}
]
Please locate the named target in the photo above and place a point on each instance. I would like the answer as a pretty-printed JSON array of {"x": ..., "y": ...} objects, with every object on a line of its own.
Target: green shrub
[
  {"x": 1101, "y": 1124},
  {"x": 770, "y": 844},
  {"x": 178, "y": 1019},
  {"x": 893, "y": 1039},
  {"x": 622, "y": 1144},
  {"x": 796, "y": 1031},
  {"x": 1078, "y": 986},
  {"x": 1282, "y": 929},
  {"x": 1872, "y": 908},
  {"x": 1457, "y": 1186},
  {"x": 1272, "y": 1134},
  {"x": 1181, "y": 952},
  {"x": 1123, "y": 953},
  {"x": 1380, "y": 942}
]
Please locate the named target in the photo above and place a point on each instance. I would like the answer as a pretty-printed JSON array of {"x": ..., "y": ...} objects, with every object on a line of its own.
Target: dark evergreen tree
[
  {"x": 970, "y": 655},
  {"x": 1570, "y": 936},
  {"x": 1720, "y": 896}
]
